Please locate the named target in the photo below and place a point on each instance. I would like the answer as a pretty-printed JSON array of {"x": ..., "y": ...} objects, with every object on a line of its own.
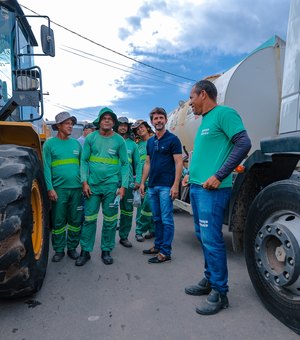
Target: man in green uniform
[
  {"x": 144, "y": 222},
  {"x": 220, "y": 145},
  {"x": 62, "y": 173},
  {"x": 135, "y": 168},
  {"x": 104, "y": 161}
]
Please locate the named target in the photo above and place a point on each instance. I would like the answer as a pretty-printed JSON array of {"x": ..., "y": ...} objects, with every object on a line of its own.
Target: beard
[{"x": 159, "y": 126}]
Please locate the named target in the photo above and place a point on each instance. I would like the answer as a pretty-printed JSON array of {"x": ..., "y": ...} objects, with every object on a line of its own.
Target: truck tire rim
[
  {"x": 277, "y": 252},
  {"x": 37, "y": 214}
]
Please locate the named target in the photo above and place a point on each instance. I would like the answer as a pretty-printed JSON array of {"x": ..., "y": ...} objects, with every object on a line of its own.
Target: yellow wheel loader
[{"x": 24, "y": 205}]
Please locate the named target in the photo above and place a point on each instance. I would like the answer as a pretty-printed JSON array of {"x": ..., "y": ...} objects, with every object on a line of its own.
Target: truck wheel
[
  {"x": 272, "y": 250},
  {"x": 24, "y": 229}
]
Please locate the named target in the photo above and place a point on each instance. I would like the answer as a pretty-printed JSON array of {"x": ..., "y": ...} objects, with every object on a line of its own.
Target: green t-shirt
[
  {"x": 135, "y": 167},
  {"x": 142, "y": 147},
  {"x": 142, "y": 151},
  {"x": 103, "y": 158},
  {"x": 61, "y": 163},
  {"x": 213, "y": 144}
]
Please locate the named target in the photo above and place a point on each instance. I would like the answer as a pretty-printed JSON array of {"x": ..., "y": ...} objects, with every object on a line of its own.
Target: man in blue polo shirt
[{"x": 163, "y": 165}]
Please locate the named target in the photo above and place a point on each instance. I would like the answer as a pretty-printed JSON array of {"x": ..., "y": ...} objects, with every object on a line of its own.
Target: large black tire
[
  {"x": 24, "y": 222},
  {"x": 272, "y": 250}
]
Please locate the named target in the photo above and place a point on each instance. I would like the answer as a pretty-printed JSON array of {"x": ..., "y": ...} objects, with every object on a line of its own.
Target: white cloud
[{"x": 176, "y": 28}]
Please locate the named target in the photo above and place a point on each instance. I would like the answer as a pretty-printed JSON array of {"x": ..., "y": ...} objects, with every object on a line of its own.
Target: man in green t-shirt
[
  {"x": 220, "y": 145},
  {"x": 61, "y": 156}
]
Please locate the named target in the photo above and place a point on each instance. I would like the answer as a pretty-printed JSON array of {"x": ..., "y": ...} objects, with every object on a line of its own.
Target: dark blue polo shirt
[{"x": 162, "y": 164}]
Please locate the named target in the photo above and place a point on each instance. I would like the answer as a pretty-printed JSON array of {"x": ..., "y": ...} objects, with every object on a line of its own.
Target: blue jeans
[
  {"x": 208, "y": 210},
  {"x": 162, "y": 214}
]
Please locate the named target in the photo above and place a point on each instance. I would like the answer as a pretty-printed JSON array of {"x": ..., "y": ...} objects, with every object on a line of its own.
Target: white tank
[{"x": 252, "y": 87}]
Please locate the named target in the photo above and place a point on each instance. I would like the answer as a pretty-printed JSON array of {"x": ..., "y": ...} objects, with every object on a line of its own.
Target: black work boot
[
  {"x": 125, "y": 243},
  {"x": 213, "y": 303},
  {"x": 72, "y": 253},
  {"x": 83, "y": 258},
  {"x": 106, "y": 258},
  {"x": 202, "y": 288},
  {"x": 58, "y": 256}
]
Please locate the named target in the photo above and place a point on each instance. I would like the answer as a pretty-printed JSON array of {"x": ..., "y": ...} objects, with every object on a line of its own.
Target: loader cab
[{"x": 21, "y": 91}]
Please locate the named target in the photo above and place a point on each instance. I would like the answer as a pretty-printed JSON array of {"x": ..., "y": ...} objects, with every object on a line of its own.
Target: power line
[
  {"x": 117, "y": 68},
  {"x": 111, "y": 50},
  {"x": 79, "y": 112}
]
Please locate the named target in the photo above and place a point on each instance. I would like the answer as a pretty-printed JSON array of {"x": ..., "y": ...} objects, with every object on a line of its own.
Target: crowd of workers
[{"x": 116, "y": 165}]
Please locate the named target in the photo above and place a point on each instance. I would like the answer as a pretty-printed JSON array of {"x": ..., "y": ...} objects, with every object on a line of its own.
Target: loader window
[
  {"x": 5, "y": 55},
  {"x": 24, "y": 47},
  {"x": 13, "y": 42}
]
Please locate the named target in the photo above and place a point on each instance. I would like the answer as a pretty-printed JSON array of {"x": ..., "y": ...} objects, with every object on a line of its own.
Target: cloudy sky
[{"x": 134, "y": 55}]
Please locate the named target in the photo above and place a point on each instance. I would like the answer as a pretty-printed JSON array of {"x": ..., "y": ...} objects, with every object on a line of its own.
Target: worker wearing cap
[
  {"x": 87, "y": 129},
  {"x": 104, "y": 174},
  {"x": 144, "y": 222},
  {"x": 126, "y": 205},
  {"x": 62, "y": 174}
]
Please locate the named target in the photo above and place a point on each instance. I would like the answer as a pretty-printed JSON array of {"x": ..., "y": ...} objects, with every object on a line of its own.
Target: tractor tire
[
  {"x": 272, "y": 250},
  {"x": 24, "y": 222}
]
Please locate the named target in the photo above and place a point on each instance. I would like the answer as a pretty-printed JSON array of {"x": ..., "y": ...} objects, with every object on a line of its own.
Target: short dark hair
[
  {"x": 158, "y": 110},
  {"x": 89, "y": 126},
  {"x": 208, "y": 87}
]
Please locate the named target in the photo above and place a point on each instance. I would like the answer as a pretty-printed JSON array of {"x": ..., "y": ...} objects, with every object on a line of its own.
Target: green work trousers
[
  {"x": 103, "y": 195},
  {"x": 144, "y": 220},
  {"x": 66, "y": 215},
  {"x": 126, "y": 214}
]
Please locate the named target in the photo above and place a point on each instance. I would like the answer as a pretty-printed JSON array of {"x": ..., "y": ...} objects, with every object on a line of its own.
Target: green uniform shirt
[
  {"x": 103, "y": 158},
  {"x": 135, "y": 167},
  {"x": 142, "y": 147},
  {"x": 61, "y": 163},
  {"x": 142, "y": 151},
  {"x": 213, "y": 144}
]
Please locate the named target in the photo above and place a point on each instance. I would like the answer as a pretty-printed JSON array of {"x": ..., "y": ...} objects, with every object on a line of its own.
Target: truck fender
[{"x": 260, "y": 171}]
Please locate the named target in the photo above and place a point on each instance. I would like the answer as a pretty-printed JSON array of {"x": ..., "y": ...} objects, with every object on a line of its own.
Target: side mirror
[{"x": 47, "y": 39}]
